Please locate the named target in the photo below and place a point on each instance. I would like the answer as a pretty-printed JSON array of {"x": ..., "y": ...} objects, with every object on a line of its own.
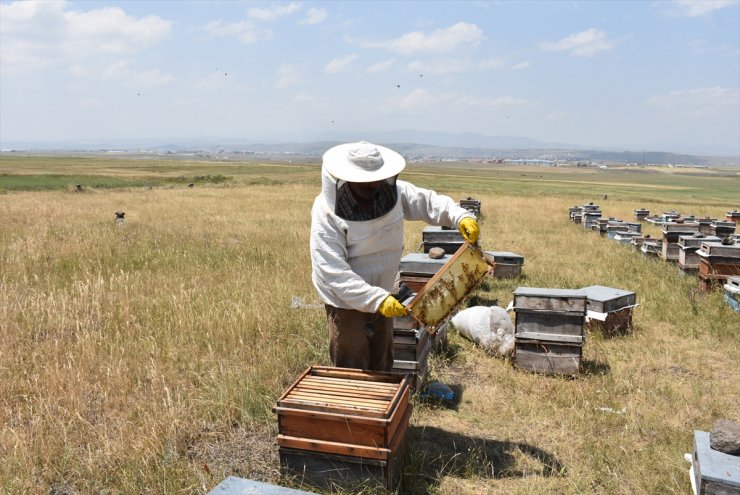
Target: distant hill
[{"x": 411, "y": 143}]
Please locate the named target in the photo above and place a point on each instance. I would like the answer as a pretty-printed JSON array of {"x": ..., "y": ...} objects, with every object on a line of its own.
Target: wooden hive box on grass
[
  {"x": 343, "y": 426},
  {"x": 688, "y": 260},
  {"x": 732, "y": 216},
  {"x": 449, "y": 239},
  {"x": 641, "y": 214},
  {"x": 617, "y": 304},
  {"x": 508, "y": 264},
  {"x": 411, "y": 348},
  {"x": 471, "y": 204},
  {"x": 722, "y": 229},
  {"x": 548, "y": 331},
  {"x": 715, "y": 473}
]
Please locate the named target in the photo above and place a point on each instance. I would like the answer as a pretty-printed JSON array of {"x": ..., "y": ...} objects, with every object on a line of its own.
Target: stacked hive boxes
[
  {"x": 344, "y": 426},
  {"x": 651, "y": 247},
  {"x": 688, "y": 260},
  {"x": 415, "y": 270},
  {"x": 671, "y": 232},
  {"x": 471, "y": 204},
  {"x": 590, "y": 218},
  {"x": 548, "y": 332},
  {"x": 411, "y": 347},
  {"x": 613, "y": 305},
  {"x": 718, "y": 262}
]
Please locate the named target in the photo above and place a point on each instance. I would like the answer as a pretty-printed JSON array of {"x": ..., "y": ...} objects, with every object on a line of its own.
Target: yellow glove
[
  {"x": 390, "y": 307},
  {"x": 469, "y": 229}
]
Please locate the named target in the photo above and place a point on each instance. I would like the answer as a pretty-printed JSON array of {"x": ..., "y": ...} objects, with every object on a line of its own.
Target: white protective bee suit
[{"x": 355, "y": 262}]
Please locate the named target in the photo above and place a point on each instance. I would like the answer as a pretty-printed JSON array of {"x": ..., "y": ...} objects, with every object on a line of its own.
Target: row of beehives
[{"x": 704, "y": 246}]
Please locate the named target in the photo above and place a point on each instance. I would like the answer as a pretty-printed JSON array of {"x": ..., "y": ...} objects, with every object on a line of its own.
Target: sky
[{"x": 639, "y": 75}]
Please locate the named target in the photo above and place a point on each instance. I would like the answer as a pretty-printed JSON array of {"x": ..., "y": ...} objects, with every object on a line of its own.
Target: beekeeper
[{"x": 357, "y": 242}]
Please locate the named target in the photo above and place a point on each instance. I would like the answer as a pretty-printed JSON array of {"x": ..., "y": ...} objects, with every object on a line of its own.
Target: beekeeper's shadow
[{"x": 434, "y": 453}]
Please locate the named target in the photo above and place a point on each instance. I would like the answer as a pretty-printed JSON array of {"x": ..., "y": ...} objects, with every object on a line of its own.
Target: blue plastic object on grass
[{"x": 437, "y": 390}]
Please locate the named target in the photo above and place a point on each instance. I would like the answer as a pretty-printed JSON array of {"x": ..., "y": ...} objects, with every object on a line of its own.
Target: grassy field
[{"x": 146, "y": 358}]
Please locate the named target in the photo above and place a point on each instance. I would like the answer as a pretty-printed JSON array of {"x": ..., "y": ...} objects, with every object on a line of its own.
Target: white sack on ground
[{"x": 488, "y": 326}]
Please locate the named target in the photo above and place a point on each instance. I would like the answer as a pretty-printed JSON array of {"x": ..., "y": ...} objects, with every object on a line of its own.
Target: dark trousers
[{"x": 360, "y": 340}]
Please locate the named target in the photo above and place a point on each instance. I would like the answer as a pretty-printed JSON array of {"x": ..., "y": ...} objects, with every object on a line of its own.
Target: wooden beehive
[
  {"x": 507, "y": 264},
  {"x": 721, "y": 229},
  {"x": 641, "y": 214},
  {"x": 688, "y": 259},
  {"x": 416, "y": 269},
  {"x": 548, "y": 331},
  {"x": 445, "y": 238},
  {"x": 421, "y": 264},
  {"x": 603, "y": 299},
  {"x": 718, "y": 250},
  {"x": 551, "y": 358},
  {"x": 715, "y": 473},
  {"x": 616, "y": 303},
  {"x": 651, "y": 248},
  {"x": 450, "y": 286},
  {"x": 338, "y": 424},
  {"x": 733, "y": 216},
  {"x": 471, "y": 204}
]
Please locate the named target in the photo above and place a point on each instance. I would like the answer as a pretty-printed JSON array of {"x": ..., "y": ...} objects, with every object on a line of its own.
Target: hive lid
[{"x": 601, "y": 293}]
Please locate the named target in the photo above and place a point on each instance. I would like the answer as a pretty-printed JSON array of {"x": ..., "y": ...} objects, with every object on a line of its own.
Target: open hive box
[
  {"x": 450, "y": 285},
  {"x": 340, "y": 425}
]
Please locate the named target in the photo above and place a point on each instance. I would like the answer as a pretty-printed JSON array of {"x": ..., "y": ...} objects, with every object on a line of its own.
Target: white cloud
[
  {"x": 520, "y": 66},
  {"x": 440, "y": 40},
  {"x": 125, "y": 71},
  {"x": 341, "y": 63},
  {"x": 439, "y": 67},
  {"x": 492, "y": 63},
  {"x": 272, "y": 13},
  {"x": 245, "y": 31},
  {"x": 303, "y": 98},
  {"x": 382, "y": 66},
  {"x": 288, "y": 77},
  {"x": 583, "y": 44},
  {"x": 314, "y": 16},
  {"x": 422, "y": 98},
  {"x": 699, "y": 102},
  {"x": 487, "y": 101},
  {"x": 37, "y": 34},
  {"x": 697, "y": 8}
]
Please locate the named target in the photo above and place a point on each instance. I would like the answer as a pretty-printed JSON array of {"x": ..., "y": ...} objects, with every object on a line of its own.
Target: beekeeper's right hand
[{"x": 390, "y": 307}]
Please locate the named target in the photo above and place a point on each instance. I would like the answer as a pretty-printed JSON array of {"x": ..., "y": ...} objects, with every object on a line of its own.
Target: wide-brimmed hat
[{"x": 362, "y": 162}]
